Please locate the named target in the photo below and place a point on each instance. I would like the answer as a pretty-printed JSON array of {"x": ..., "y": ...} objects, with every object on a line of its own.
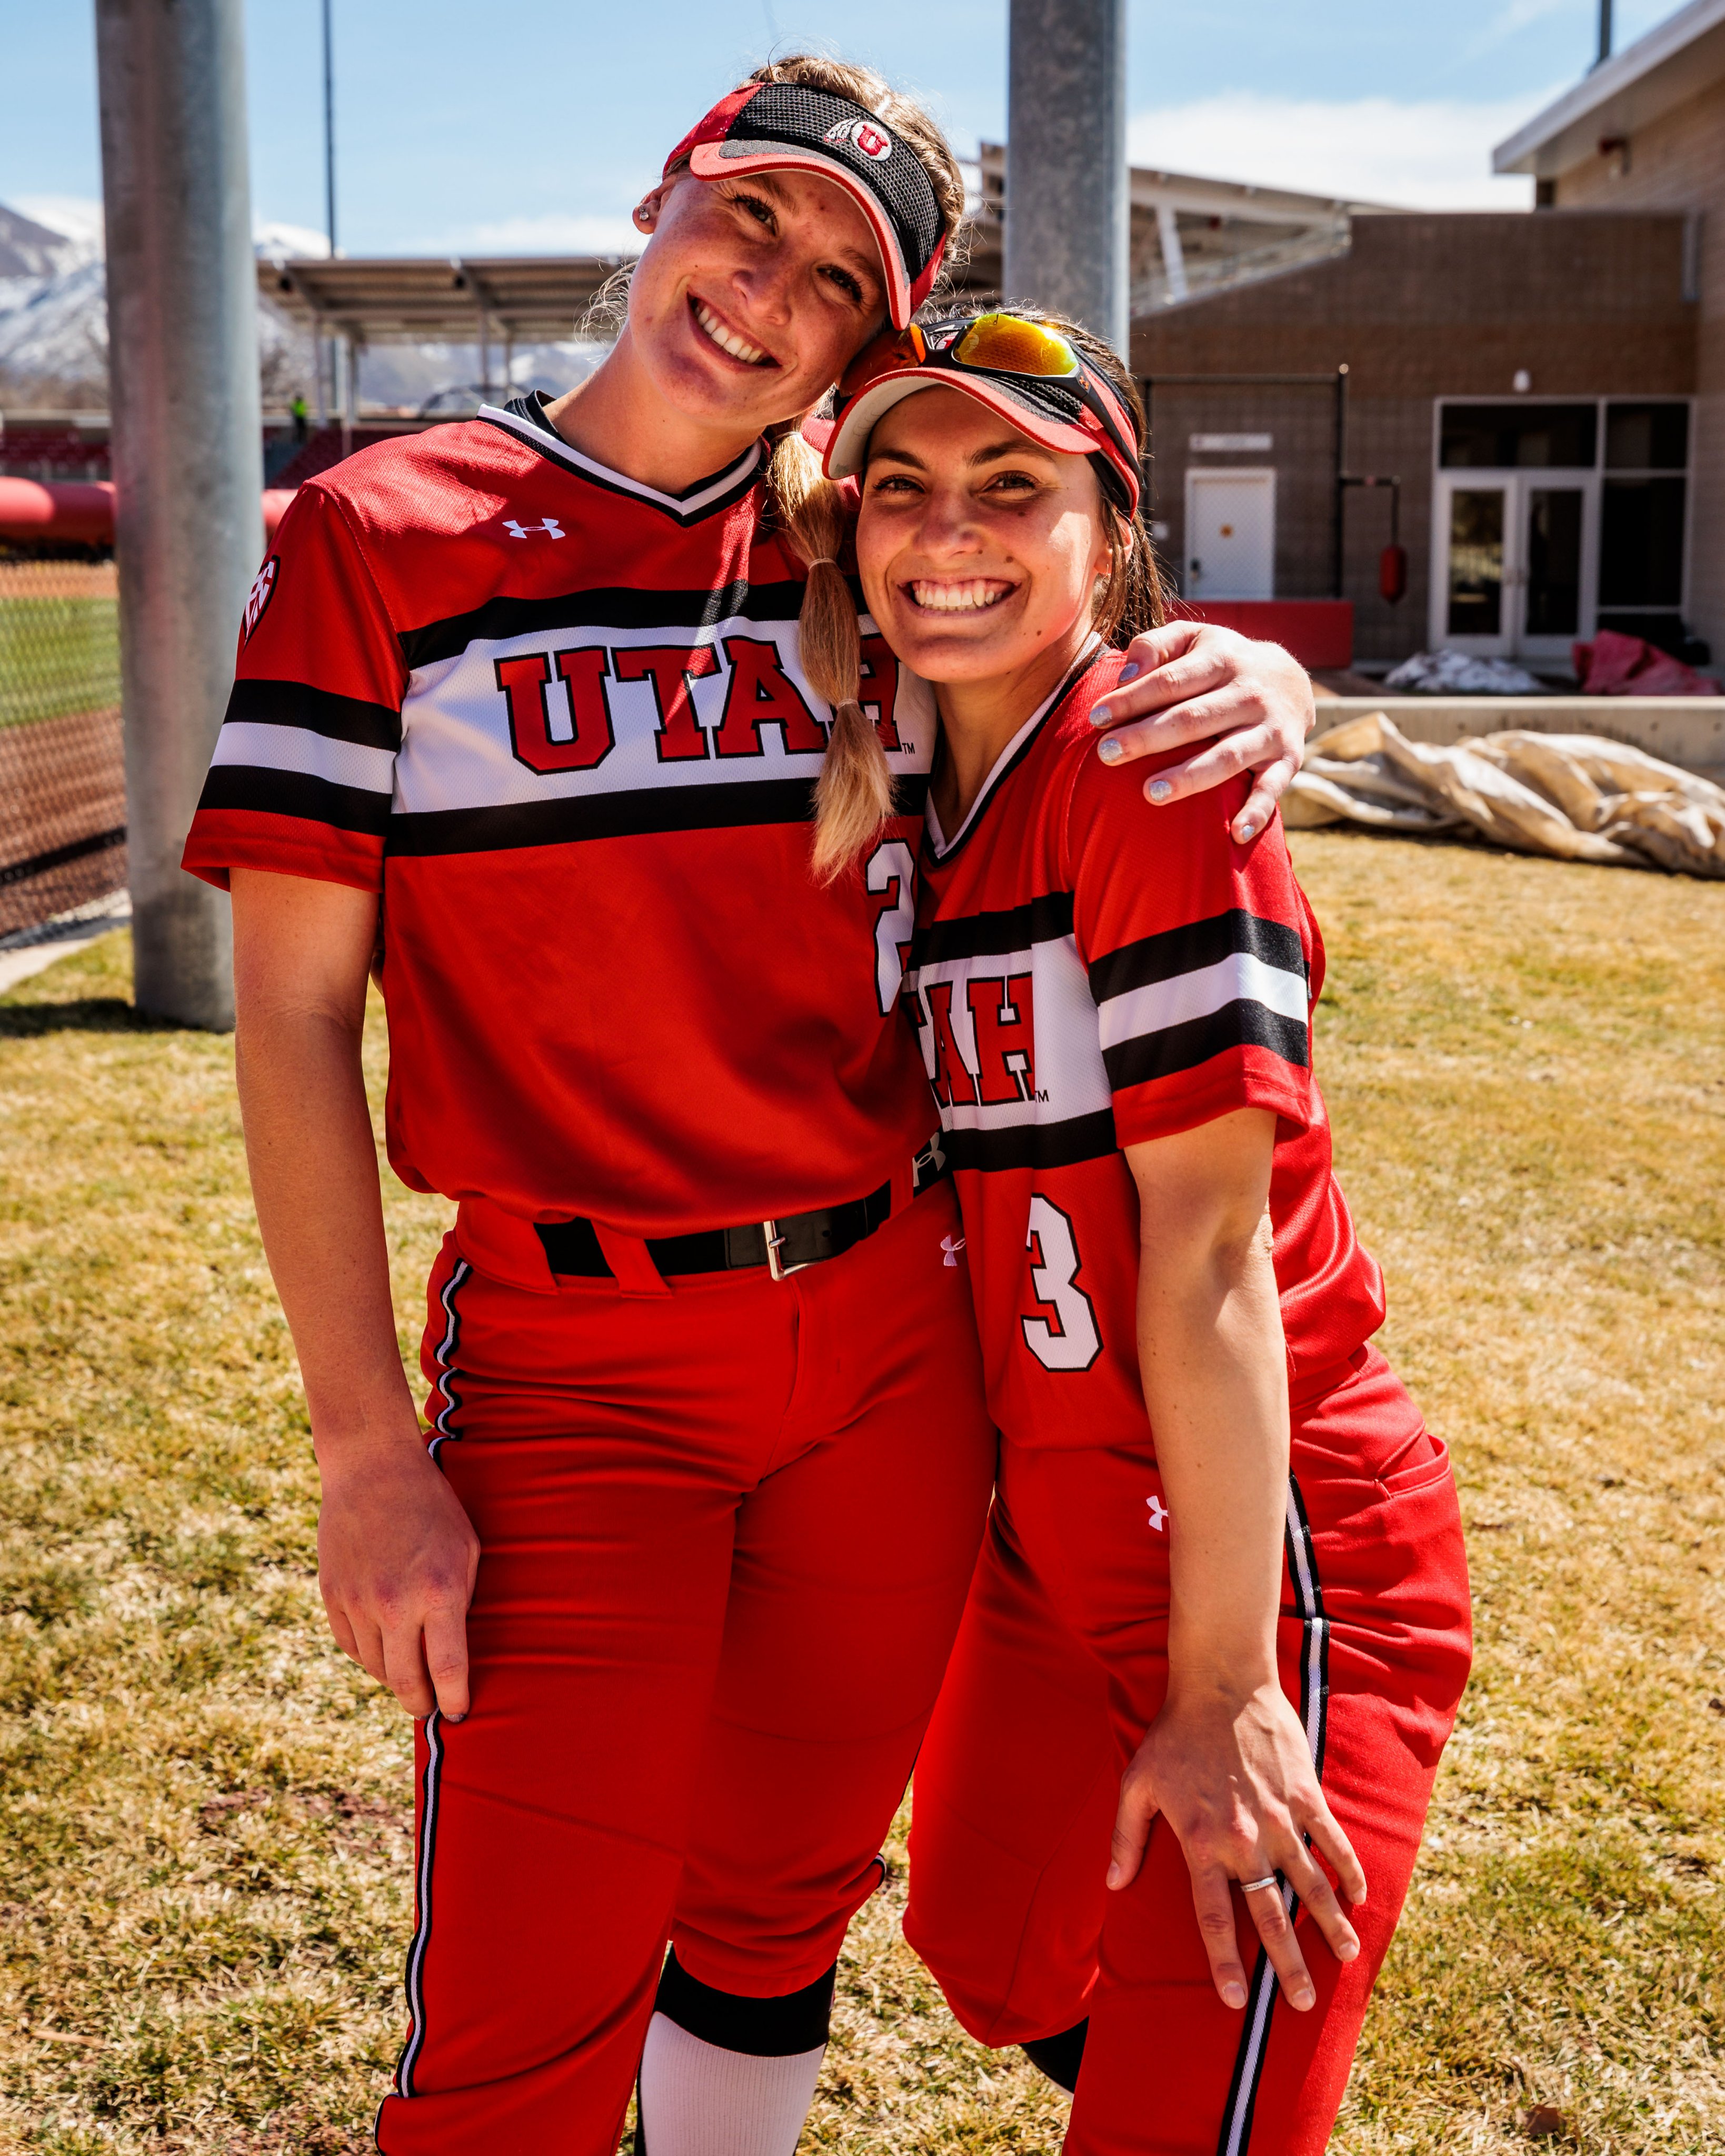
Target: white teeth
[
  {"x": 957, "y": 598},
  {"x": 724, "y": 339}
]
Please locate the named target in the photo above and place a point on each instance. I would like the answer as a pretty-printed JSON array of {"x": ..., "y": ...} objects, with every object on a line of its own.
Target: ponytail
[{"x": 853, "y": 796}]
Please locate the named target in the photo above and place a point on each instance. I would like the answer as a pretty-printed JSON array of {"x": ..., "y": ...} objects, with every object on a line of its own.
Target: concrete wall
[
  {"x": 1677, "y": 162},
  {"x": 1422, "y": 306}
]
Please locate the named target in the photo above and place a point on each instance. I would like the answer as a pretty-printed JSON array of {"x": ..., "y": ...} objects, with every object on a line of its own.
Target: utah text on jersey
[
  {"x": 547, "y": 721},
  {"x": 1025, "y": 1045}
]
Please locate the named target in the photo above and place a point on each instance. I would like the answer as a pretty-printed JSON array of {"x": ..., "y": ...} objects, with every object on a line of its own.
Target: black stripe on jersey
[
  {"x": 1174, "y": 1048},
  {"x": 295, "y": 793},
  {"x": 1198, "y": 944},
  {"x": 1042, "y": 920},
  {"x": 631, "y": 815},
  {"x": 317, "y": 711},
  {"x": 608, "y": 608},
  {"x": 1033, "y": 1145}
]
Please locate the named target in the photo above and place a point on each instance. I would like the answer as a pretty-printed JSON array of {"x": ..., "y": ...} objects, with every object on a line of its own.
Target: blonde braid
[{"x": 853, "y": 796}]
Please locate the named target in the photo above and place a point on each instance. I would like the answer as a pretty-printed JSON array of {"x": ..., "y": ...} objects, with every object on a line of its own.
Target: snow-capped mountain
[
  {"x": 53, "y": 308},
  {"x": 54, "y": 323}
]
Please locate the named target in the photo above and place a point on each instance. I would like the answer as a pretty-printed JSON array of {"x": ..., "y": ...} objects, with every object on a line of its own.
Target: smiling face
[
  {"x": 752, "y": 295},
  {"x": 979, "y": 550}
]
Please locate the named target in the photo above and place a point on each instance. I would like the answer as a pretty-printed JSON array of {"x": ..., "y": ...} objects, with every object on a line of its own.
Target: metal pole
[
  {"x": 183, "y": 337},
  {"x": 1605, "y": 54},
  {"x": 328, "y": 128},
  {"x": 1068, "y": 202}
]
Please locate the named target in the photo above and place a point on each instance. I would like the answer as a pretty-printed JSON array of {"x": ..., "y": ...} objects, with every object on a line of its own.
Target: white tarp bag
[{"x": 1573, "y": 796}]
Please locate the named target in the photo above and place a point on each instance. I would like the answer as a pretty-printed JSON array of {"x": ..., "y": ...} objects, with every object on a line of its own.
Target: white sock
[{"x": 698, "y": 2099}]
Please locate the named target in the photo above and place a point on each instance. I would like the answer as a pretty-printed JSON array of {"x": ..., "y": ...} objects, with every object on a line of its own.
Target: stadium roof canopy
[{"x": 530, "y": 299}]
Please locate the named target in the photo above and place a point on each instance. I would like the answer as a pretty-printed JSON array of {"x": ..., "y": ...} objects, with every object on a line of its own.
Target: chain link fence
[{"x": 62, "y": 771}]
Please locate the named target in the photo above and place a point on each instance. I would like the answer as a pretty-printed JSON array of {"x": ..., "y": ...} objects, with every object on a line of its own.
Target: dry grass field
[{"x": 203, "y": 1809}]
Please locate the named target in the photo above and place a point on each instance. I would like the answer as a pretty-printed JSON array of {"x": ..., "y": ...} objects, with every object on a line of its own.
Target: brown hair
[{"x": 855, "y": 792}]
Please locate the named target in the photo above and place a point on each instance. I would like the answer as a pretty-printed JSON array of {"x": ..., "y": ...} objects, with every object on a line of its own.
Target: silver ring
[{"x": 1257, "y": 1885}]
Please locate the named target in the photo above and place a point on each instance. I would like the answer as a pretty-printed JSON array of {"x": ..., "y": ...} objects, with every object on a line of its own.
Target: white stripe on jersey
[
  {"x": 1240, "y": 978},
  {"x": 266, "y": 748}
]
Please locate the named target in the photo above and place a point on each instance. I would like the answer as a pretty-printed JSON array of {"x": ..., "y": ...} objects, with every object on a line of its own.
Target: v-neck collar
[
  {"x": 1009, "y": 757},
  {"x": 717, "y": 491}
]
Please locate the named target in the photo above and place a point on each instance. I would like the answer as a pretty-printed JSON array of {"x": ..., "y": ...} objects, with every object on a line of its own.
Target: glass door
[
  {"x": 1473, "y": 520},
  {"x": 1515, "y": 556}
]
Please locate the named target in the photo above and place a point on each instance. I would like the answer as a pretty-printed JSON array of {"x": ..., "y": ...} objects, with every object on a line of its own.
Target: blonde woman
[{"x": 525, "y": 716}]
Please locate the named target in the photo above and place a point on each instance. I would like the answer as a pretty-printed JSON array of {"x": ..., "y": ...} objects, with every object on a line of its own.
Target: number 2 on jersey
[
  {"x": 1070, "y": 1340},
  {"x": 892, "y": 873}
]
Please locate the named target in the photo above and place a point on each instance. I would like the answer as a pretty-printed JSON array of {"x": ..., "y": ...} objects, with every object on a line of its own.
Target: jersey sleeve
[
  {"x": 1197, "y": 951},
  {"x": 304, "y": 769}
]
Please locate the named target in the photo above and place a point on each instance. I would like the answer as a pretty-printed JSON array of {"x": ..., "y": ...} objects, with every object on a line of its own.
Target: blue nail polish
[
  {"x": 1131, "y": 673},
  {"x": 454, "y": 1717},
  {"x": 1160, "y": 790},
  {"x": 1100, "y": 716},
  {"x": 1110, "y": 752},
  {"x": 1247, "y": 831}
]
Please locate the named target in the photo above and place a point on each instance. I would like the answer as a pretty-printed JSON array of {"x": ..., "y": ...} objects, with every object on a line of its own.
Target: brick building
[
  {"x": 1645, "y": 133},
  {"x": 1547, "y": 390}
]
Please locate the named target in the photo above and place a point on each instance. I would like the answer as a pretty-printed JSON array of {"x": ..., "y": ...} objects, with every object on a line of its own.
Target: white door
[
  {"x": 1231, "y": 535},
  {"x": 1517, "y": 558}
]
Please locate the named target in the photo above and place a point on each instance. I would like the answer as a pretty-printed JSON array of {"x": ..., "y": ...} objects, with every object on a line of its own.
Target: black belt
[{"x": 784, "y": 1245}]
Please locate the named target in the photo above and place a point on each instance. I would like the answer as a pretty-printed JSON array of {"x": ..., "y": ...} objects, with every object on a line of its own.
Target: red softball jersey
[
  {"x": 1084, "y": 978},
  {"x": 559, "y": 720}
]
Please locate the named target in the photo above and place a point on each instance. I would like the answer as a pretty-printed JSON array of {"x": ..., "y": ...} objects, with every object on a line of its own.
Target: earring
[{"x": 642, "y": 214}]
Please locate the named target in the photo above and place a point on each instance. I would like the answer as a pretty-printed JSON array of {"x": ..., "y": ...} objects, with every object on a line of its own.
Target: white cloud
[
  {"x": 552, "y": 234},
  {"x": 1427, "y": 154}
]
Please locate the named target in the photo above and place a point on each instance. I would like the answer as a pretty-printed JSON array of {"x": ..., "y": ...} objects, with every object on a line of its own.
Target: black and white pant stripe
[{"x": 1234, "y": 2138}]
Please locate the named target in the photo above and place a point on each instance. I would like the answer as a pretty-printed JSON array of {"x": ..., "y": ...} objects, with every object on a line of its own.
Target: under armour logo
[
  {"x": 952, "y": 1249},
  {"x": 548, "y": 524},
  {"x": 1159, "y": 1513}
]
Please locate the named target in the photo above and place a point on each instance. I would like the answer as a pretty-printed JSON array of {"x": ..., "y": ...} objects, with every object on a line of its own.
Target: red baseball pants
[
  {"x": 726, "y": 1533},
  {"x": 1061, "y": 1664}
]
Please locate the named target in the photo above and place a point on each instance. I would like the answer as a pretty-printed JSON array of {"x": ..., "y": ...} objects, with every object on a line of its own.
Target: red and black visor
[
  {"x": 776, "y": 126},
  {"x": 1028, "y": 372}
]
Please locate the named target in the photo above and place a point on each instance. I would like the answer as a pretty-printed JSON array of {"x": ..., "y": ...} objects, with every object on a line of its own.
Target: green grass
[
  {"x": 203, "y": 1809},
  {"x": 57, "y": 654}
]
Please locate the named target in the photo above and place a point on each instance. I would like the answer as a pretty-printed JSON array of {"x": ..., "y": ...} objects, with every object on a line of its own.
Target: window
[
  {"x": 1501, "y": 436},
  {"x": 1646, "y": 438},
  {"x": 1641, "y": 542}
]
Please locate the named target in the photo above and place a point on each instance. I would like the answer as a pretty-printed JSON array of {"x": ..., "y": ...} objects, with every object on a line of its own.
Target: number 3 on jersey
[{"x": 1069, "y": 1341}]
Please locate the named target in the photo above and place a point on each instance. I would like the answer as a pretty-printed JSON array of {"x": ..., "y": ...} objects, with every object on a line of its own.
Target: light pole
[
  {"x": 1067, "y": 194},
  {"x": 182, "y": 335}
]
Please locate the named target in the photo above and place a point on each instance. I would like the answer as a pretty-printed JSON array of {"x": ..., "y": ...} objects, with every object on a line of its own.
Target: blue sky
[{"x": 536, "y": 125}]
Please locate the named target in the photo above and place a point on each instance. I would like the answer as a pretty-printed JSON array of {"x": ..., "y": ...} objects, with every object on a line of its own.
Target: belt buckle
[{"x": 774, "y": 1242}]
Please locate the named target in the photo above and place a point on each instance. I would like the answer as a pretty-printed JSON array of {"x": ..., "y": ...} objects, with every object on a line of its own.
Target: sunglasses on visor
[{"x": 1009, "y": 348}]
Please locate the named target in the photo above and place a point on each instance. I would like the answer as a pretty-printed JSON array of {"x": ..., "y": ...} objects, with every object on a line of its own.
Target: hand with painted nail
[
  {"x": 1250, "y": 704},
  {"x": 1232, "y": 1776}
]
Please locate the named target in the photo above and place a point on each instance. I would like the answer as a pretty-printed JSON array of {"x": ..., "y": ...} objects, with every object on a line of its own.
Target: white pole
[
  {"x": 183, "y": 337},
  {"x": 1068, "y": 208}
]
